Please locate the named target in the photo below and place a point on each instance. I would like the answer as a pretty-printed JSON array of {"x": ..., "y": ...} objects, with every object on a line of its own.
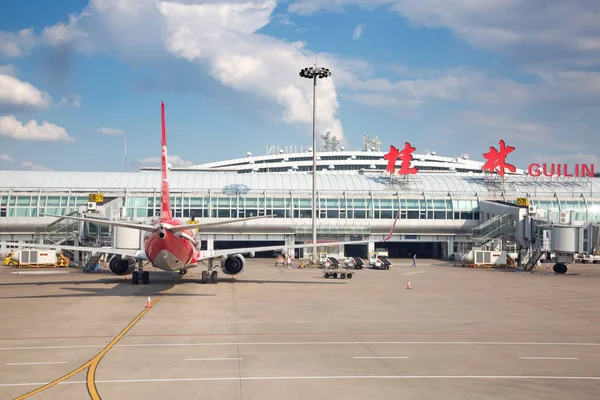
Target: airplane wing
[
  {"x": 204, "y": 225},
  {"x": 206, "y": 254},
  {"x": 150, "y": 228},
  {"x": 131, "y": 225},
  {"x": 139, "y": 254}
]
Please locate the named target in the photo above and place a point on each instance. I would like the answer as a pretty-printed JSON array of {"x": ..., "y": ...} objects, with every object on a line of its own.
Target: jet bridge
[
  {"x": 565, "y": 241},
  {"x": 535, "y": 234}
]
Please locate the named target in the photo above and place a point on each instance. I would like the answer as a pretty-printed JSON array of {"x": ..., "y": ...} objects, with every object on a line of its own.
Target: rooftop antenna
[{"x": 370, "y": 143}]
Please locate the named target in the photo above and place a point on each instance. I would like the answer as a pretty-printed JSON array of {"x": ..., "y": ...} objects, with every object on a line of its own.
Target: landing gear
[
  {"x": 560, "y": 268},
  {"x": 140, "y": 273},
  {"x": 209, "y": 276}
]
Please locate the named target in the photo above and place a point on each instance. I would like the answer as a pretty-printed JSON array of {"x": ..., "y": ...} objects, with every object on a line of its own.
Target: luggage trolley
[{"x": 334, "y": 268}]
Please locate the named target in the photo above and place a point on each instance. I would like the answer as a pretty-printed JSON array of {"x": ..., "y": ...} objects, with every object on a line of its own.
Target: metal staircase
[
  {"x": 535, "y": 249},
  {"x": 59, "y": 231},
  {"x": 533, "y": 256},
  {"x": 500, "y": 226}
]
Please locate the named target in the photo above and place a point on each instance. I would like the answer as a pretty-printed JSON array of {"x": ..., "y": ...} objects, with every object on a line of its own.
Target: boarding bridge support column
[
  {"x": 290, "y": 240},
  {"x": 371, "y": 247},
  {"x": 210, "y": 244},
  {"x": 449, "y": 248}
]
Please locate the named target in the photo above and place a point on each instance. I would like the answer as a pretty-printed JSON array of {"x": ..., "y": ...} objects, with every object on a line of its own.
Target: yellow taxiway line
[{"x": 93, "y": 363}]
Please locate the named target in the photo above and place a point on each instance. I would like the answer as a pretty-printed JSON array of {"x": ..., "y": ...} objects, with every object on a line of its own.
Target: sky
[{"x": 81, "y": 81}]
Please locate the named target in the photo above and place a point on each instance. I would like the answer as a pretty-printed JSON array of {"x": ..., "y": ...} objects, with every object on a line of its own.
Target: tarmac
[{"x": 275, "y": 332}]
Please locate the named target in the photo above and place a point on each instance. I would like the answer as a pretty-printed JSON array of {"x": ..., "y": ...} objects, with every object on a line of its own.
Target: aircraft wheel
[
  {"x": 204, "y": 276},
  {"x": 146, "y": 277},
  {"x": 560, "y": 268},
  {"x": 135, "y": 277},
  {"x": 349, "y": 275},
  {"x": 213, "y": 277}
]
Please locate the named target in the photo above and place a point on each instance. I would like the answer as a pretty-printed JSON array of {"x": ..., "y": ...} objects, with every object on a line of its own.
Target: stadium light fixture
[{"x": 314, "y": 73}]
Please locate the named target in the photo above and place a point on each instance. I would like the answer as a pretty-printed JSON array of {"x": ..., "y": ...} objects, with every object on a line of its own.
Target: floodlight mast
[{"x": 314, "y": 73}]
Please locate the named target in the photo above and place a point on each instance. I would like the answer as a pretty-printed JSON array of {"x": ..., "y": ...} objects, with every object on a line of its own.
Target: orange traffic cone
[
  {"x": 408, "y": 285},
  {"x": 148, "y": 303}
]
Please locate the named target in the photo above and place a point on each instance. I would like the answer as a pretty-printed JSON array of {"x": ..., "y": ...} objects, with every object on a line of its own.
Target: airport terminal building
[{"x": 433, "y": 212}]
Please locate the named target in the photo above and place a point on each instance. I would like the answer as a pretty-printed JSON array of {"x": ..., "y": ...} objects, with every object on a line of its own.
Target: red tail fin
[{"x": 165, "y": 206}]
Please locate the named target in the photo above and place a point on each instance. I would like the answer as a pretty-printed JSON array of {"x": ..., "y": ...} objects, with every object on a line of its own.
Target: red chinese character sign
[
  {"x": 405, "y": 157},
  {"x": 496, "y": 159}
]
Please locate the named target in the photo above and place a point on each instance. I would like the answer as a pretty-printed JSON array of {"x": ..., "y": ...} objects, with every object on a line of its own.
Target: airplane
[{"x": 169, "y": 243}]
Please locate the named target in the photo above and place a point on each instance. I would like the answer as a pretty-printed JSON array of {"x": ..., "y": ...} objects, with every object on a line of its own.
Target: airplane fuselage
[{"x": 170, "y": 251}]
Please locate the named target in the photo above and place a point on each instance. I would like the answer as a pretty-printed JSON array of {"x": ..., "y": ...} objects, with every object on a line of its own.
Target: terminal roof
[{"x": 232, "y": 182}]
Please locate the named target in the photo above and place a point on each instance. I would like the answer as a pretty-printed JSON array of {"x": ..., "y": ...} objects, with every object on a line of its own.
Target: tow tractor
[
  {"x": 354, "y": 262},
  {"x": 379, "y": 259}
]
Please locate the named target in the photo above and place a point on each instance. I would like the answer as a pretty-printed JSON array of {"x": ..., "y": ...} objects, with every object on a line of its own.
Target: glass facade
[
  {"x": 584, "y": 210},
  {"x": 186, "y": 205},
  {"x": 31, "y": 205},
  {"x": 238, "y": 206},
  {"x": 301, "y": 207}
]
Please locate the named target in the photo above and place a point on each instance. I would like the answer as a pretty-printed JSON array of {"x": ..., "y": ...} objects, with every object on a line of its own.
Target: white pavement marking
[
  {"x": 548, "y": 358},
  {"x": 271, "y": 378},
  {"x": 40, "y": 363},
  {"x": 413, "y": 272},
  {"x": 213, "y": 359},
  {"x": 303, "y": 343},
  {"x": 53, "y": 347},
  {"x": 377, "y": 357},
  {"x": 39, "y": 273}
]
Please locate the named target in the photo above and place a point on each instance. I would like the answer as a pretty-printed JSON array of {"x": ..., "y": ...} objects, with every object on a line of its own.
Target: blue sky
[{"x": 78, "y": 78}]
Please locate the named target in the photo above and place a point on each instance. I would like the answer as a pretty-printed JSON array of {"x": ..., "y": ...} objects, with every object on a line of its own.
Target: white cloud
[
  {"x": 19, "y": 44},
  {"x": 220, "y": 38},
  {"x": 6, "y": 157},
  {"x": 64, "y": 33},
  {"x": 109, "y": 131},
  {"x": 76, "y": 100},
  {"x": 16, "y": 44},
  {"x": 72, "y": 98},
  {"x": 308, "y": 7},
  {"x": 174, "y": 160},
  {"x": 34, "y": 167},
  {"x": 9, "y": 70},
  {"x": 509, "y": 129},
  {"x": 356, "y": 34},
  {"x": 16, "y": 95},
  {"x": 11, "y": 128},
  {"x": 568, "y": 158},
  {"x": 564, "y": 32},
  {"x": 459, "y": 85}
]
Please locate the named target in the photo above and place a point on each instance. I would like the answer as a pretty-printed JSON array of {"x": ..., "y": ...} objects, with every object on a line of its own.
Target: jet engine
[
  {"x": 233, "y": 265},
  {"x": 122, "y": 266}
]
